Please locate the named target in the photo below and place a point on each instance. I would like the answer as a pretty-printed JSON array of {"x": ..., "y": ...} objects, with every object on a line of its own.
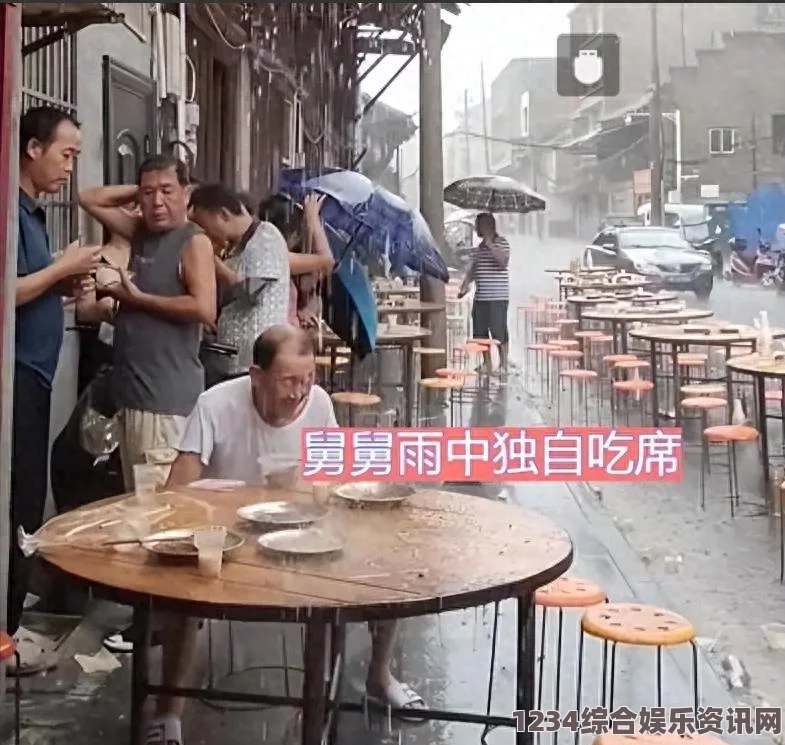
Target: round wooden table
[
  {"x": 759, "y": 369},
  {"x": 567, "y": 287},
  {"x": 583, "y": 270},
  {"x": 399, "y": 336},
  {"x": 440, "y": 551},
  {"x": 619, "y": 321},
  {"x": 393, "y": 291},
  {"x": 680, "y": 338},
  {"x": 409, "y": 307},
  {"x": 580, "y": 301}
]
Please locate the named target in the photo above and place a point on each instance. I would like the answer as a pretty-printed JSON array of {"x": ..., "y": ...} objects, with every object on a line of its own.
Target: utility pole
[
  {"x": 485, "y": 121},
  {"x": 655, "y": 124},
  {"x": 432, "y": 173},
  {"x": 754, "y": 147},
  {"x": 466, "y": 138}
]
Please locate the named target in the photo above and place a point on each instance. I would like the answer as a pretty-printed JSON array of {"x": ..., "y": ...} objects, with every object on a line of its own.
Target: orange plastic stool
[
  {"x": 9, "y": 652},
  {"x": 636, "y": 388},
  {"x": 354, "y": 400},
  {"x": 580, "y": 377},
  {"x": 637, "y": 625},
  {"x": 729, "y": 435},
  {"x": 564, "y": 593}
]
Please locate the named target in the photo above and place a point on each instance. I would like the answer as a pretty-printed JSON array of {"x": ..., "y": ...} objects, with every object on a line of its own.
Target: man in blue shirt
[{"x": 49, "y": 141}]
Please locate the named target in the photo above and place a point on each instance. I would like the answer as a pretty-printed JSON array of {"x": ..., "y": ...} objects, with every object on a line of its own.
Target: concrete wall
[{"x": 718, "y": 93}]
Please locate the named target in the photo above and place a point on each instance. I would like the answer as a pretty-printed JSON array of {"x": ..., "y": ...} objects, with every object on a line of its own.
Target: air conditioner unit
[{"x": 174, "y": 81}]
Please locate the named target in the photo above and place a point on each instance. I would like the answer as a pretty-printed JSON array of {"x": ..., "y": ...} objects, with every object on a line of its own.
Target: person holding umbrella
[{"x": 489, "y": 271}]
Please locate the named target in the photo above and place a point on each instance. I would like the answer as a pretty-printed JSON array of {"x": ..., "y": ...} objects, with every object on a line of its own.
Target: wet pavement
[{"x": 728, "y": 585}]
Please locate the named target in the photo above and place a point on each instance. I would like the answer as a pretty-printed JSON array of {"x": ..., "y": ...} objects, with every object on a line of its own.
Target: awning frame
[{"x": 70, "y": 17}]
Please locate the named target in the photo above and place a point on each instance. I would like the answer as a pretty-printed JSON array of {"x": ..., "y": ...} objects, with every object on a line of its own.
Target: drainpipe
[
  {"x": 183, "y": 70},
  {"x": 10, "y": 108}
]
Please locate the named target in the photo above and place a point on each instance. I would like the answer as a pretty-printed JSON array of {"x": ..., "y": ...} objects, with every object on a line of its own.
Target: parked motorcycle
[{"x": 760, "y": 269}]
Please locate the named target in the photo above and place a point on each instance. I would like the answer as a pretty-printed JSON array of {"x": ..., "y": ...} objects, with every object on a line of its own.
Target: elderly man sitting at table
[{"x": 236, "y": 427}]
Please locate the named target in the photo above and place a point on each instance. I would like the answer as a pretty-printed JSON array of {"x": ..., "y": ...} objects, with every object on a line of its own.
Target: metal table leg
[
  {"x": 314, "y": 683},
  {"x": 526, "y": 655},
  {"x": 655, "y": 398},
  {"x": 760, "y": 384},
  {"x": 139, "y": 671}
]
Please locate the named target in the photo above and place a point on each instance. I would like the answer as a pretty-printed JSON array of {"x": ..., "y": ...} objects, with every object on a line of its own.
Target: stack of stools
[
  {"x": 558, "y": 358},
  {"x": 638, "y": 625},
  {"x": 629, "y": 388}
]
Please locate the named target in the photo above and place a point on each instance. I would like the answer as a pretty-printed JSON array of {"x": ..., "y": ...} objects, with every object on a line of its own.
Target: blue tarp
[{"x": 764, "y": 210}]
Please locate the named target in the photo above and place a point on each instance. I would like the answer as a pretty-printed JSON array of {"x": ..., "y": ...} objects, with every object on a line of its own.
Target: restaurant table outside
[
  {"x": 581, "y": 302},
  {"x": 759, "y": 369},
  {"x": 439, "y": 551},
  {"x": 619, "y": 321},
  {"x": 409, "y": 307},
  {"x": 566, "y": 288},
  {"x": 403, "y": 337},
  {"x": 677, "y": 339}
]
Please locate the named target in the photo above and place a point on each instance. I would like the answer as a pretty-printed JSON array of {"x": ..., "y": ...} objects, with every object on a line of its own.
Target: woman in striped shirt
[{"x": 489, "y": 270}]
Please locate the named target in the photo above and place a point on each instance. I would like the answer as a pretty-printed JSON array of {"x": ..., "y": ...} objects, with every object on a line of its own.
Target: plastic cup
[
  {"x": 321, "y": 493},
  {"x": 145, "y": 483},
  {"x": 210, "y": 542}
]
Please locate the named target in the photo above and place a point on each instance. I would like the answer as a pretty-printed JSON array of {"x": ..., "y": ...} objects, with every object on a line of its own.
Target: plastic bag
[{"x": 85, "y": 455}]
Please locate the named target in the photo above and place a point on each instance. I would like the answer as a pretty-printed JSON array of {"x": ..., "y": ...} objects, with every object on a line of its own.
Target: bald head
[{"x": 276, "y": 340}]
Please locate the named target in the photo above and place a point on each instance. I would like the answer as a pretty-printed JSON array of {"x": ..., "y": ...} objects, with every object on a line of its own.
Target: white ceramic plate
[
  {"x": 373, "y": 492},
  {"x": 282, "y": 514},
  {"x": 307, "y": 542},
  {"x": 179, "y": 543}
]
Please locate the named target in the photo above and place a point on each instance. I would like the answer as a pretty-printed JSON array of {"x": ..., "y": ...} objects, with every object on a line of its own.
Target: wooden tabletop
[
  {"x": 629, "y": 315},
  {"x": 410, "y": 307},
  {"x": 609, "y": 286},
  {"x": 584, "y": 270},
  {"x": 754, "y": 364},
  {"x": 678, "y": 335},
  {"x": 404, "y": 290},
  {"x": 439, "y": 551},
  {"x": 635, "y": 298},
  {"x": 387, "y": 335}
]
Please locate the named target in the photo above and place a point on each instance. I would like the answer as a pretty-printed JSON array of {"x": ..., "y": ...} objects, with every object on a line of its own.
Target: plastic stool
[
  {"x": 637, "y": 625},
  {"x": 729, "y": 435},
  {"x": 562, "y": 594}
]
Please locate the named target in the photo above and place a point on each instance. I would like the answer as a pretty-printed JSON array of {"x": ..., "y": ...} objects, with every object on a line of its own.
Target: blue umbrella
[
  {"x": 379, "y": 223},
  {"x": 351, "y": 312}
]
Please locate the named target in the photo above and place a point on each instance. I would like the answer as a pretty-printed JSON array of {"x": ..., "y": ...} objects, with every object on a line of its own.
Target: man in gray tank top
[{"x": 165, "y": 296}]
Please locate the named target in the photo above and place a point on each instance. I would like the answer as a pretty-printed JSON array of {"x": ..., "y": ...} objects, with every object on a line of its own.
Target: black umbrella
[{"x": 493, "y": 194}]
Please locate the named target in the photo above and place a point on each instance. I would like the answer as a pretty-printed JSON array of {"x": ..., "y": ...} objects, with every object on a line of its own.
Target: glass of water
[{"x": 145, "y": 482}]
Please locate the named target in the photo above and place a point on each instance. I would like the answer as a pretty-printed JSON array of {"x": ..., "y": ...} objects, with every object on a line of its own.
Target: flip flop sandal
[
  {"x": 399, "y": 696},
  {"x": 118, "y": 644}
]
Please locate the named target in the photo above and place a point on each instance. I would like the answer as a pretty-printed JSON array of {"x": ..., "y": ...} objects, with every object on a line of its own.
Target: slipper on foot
[{"x": 398, "y": 695}]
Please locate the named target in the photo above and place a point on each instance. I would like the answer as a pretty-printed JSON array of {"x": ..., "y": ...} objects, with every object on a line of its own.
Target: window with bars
[
  {"x": 49, "y": 79},
  {"x": 722, "y": 141}
]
